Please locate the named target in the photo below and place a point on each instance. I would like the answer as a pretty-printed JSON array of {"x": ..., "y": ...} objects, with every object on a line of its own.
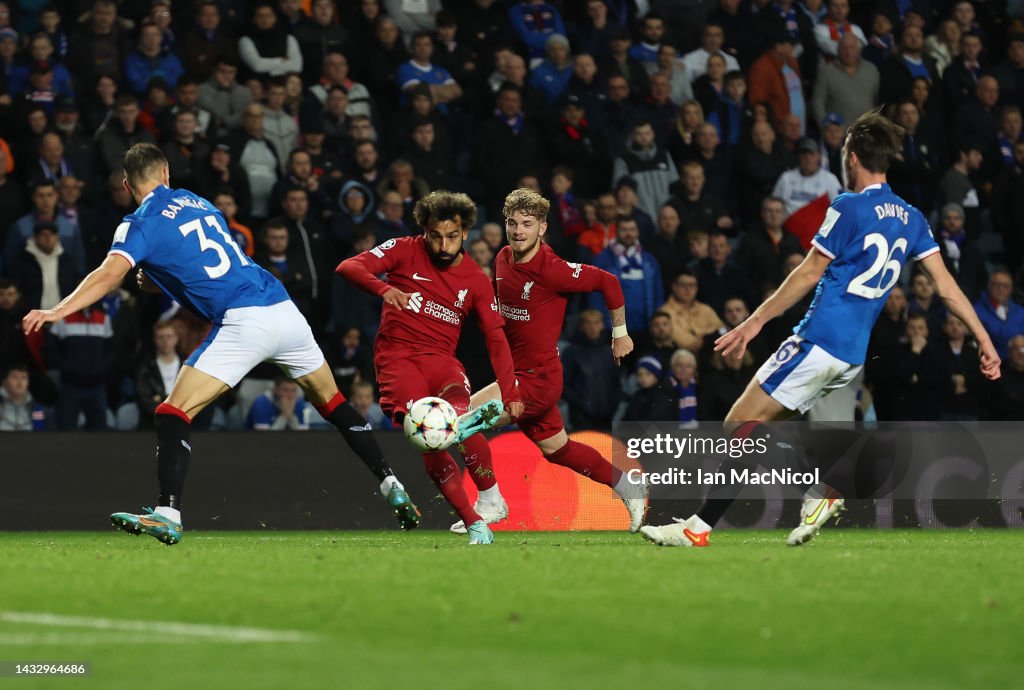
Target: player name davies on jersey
[{"x": 892, "y": 211}]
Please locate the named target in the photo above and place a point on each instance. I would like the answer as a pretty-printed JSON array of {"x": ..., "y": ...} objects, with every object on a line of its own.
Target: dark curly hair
[
  {"x": 875, "y": 140},
  {"x": 445, "y": 205}
]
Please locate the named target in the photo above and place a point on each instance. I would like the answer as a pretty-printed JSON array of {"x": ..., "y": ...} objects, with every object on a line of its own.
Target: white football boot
[
  {"x": 689, "y": 532},
  {"x": 814, "y": 513}
]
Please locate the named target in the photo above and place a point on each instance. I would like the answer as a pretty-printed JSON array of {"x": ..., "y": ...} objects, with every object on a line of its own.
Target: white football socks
[
  {"x": 169, "y": 513},
  {"x": 492, "y": 495},
  {"x": 390, "y": 482}
]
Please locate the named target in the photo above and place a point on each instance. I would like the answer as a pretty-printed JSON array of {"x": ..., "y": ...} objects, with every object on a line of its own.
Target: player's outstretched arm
[
  {"x": 362, "y": 271},
  {"x": 98, "y": 283},
  {"x": 958, "y": 305},
  {"x": 797, "y": 284}
]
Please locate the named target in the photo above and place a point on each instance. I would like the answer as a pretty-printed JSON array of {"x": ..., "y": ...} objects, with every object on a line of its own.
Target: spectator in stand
[
  {"x": 533, "y": 22},
  {"x": 924, "y": 302},
  {"x": 225, "y": 202},
  {"x": 712, "y": 39},
  {"x": 1010, "y": 72},
  {"x": 650, "y": 166},
  {"x": 335, "y": 72},
  {"x": 41, "y": 52},
  {"x": 669, "y": 245},
  {"x": 382, "y": 61},
  {"x": 551, "y": 76},
  {"x": 220, "y": 170},
  {"x": 368, "y": 168},
  {"x": 13, "y": 349},
  {"x": 897, "y": 74},
  {"x": 590, "y": 379},
  {"x": 186, "y": 152},
  {"x": 658, "y": 343},
  {"x": 659, "y": 109},
  {"x": 957, "y": 187},
  {"x": 44, "y": 272},
  {"x": 121, "y": 134},
  {"x": 1002, "y": 317},
  {"x": 719, "y": 276},
  {"x": 18, "y": 410},
  {"x": 1007, "y": 403},
  {"x": 419, "y": 70},
  {"x": 150, "y": 61},
  {"x": 208, "y": 43},
  {"x": 269, "y": 50},
  {"x": 280, "y": 410},
  {"x": 319, "y": 36},
  {"x": 943, "y": 45},
  {"x": 709, "y": 88},
  {"x": 279, "y": 127},
  {"x": 671, "y": 67},
  {"x": 389, "y": 222},
  {"x": 653, "y": 401},
  {"x": 81, "y": 347},
  {"x": 12, "y": 198},
  {"x": 362, "y": 399},
  {"x": 257, "y": 157},
  {"x": 848, "y": 85},
  {"x": 44, "y": 210},
  {"x": 401, "y": 178},
  {"x": 431, "y": 164},
  {"x": 913, "y": 175},
  {"x": 51, "y": 163},
  {"x": 481, "y": 254},
  {"x": 508, "y": 137},
  {"x": 692, "y": 321},
  {"x": 224, "y": 97},
  {"x": 775, "y": 79},
  {"x": 808, "y": 182},
  {"x": 828, "y": 34},
  {"x": 958, "y": 357},
  {"x": 41, "y": 90},
  {"x": 284, "y": 260},
  {"x": 593, "y": 34},
  {"x": 100, "y": 45},
  {"x": 919, "y": 381},
  {"x": 960, "y": 79},
  {"x": 636, "y": 270},
  {"x": 619, "y": 63},
  {"x": 759, "y": 167},
  {"x": 684, "y": 382},
  {"x": 626, "y": 196},
  {"x": 312, "y": 247},
  {"x": 652, "y": 30},
  {"x": 156, "y": 375},
  {"x": 696, "y": 207},
  {"x": 299, "y": 173},
  {"x": 765, "y": 246}
]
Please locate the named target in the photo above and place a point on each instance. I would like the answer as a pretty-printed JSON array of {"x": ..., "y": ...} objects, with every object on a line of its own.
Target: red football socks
[
  {"x": 584, "y": 460},
  {"x": 476, "y": 452},
  {"x": 447, "y": 478}
]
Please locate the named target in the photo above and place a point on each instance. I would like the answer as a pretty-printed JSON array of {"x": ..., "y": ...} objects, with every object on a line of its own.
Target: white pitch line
[
  {"x": 77, "y": 639},
  {"x": 222, "y": 632}
]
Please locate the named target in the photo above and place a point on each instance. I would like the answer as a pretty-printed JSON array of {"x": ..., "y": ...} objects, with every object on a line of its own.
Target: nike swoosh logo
[
  {"x": 499, "y": 279},
  {"x": 696, "y": 539},
  {"x": 817, "y": 511},
  {"x": 148, "y": 522},
  {"x": 417, "y": 276},
  {"x": 367, "y": 427}
]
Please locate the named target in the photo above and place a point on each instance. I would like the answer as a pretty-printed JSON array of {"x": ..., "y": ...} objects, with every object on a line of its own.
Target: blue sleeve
[
  {"x": 559, "y": 25},
  {"x": 136, "y": 74},
  {"x": 515, "y": 18},
  {"x": 837, "y": 229},
  {"x": 924, "y": 242},
  {"x": 261, "y": 414},
  {"x": 130, "y": 241},
  {"x": 404, "y": 75}
]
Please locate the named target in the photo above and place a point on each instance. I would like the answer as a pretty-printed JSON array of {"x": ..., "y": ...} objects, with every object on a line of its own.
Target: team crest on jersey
[
  {"x": 576, "y": 268},
  {"x": 379, "y": 250},
  {"x": 462, "y": 298},
  {"x": 526, "y": 290}
]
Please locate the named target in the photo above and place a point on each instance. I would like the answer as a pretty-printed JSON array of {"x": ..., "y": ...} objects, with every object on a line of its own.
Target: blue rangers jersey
[
  {"x": 868, "y": 236},
  {"x": 184, "y": 246}
]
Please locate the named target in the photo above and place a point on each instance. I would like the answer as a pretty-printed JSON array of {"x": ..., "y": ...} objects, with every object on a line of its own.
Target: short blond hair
[{"x": 527, "y": 202}]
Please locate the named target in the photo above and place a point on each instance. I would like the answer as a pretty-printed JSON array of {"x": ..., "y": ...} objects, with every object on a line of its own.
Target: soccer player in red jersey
[
  {"x": 532, "y": 286},
  {"x": 431, "y": 288}
]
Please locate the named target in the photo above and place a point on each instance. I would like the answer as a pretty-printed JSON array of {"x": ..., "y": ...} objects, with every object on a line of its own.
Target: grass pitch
[{"x": 855, "y": 609}]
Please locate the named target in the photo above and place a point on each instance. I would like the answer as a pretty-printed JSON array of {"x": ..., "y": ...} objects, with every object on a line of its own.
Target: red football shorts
[
  {"x": 404, "y": 378},
  {"x": 541, "y": 389}
]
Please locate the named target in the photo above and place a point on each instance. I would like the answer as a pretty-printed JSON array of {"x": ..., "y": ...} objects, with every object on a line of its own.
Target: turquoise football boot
[
  {"x": 477, "y": 420},
  {"x": 404, "y": 509},
  {"x": 480, "y": 533},
  {"x": 155, "y": 525}
]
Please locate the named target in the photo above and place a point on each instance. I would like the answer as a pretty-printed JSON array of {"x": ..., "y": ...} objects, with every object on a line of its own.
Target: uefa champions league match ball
[{"x": 430, "y": 424}]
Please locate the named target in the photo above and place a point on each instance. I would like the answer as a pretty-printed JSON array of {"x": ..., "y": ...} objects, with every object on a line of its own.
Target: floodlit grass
[{"x": 855, "y": 609}]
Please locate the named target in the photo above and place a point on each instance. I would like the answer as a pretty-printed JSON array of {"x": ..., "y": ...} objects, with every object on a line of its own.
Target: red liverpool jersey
[
  {"x": 532, "y": 298},
  {"x": 440, "y": 298}
]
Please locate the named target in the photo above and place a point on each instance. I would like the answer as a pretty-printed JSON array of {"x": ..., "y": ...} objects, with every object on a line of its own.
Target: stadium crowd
[{"x": 690, "y": 148}]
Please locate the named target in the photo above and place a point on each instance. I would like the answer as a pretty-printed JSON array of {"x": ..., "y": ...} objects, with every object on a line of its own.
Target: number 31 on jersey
[{"x": 206, "y": 243}]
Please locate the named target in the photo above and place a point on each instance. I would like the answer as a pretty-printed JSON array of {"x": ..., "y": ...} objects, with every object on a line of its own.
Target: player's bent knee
[{"x": 553, "y": 444}]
